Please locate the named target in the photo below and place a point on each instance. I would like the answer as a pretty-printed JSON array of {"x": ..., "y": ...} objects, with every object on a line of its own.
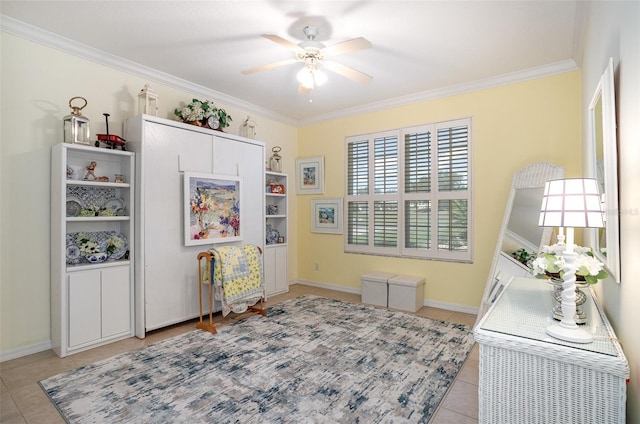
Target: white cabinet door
[
  {"x": 99, "y": 304},
  {"x": 84, "y": 307},
  {"x": 116, "y": 301},
  {"x": 282, "y": 282},
  {"x": 269, "y": 265},
  {"x": 275, "y": 269},
  {"x": 237, "y": 158},
  {"x": 169, "y": 271}
]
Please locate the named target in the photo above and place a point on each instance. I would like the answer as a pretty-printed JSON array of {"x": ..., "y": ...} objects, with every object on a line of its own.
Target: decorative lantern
[
  {"x": 275, "y": 162},
  {"x": 148, "y": 101},
  {"x": 76, "y": 126},
  {"x": 248, "y": 128}
]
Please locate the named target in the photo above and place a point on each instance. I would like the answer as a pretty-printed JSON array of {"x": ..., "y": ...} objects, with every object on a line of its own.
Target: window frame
[{"x": 434, "y": 195}]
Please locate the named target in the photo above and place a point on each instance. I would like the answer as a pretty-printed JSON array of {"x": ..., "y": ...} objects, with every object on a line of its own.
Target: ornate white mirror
[
  {"x": 519, "y": 228},
  {"x": 605, "y": 242}
]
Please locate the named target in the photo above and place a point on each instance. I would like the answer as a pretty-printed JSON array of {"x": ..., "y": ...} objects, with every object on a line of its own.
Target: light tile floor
[{"x": 23, "y": 401}]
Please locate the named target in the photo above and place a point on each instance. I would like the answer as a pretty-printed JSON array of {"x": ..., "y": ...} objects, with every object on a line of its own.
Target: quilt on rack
[{"x": 237, "y": 277}]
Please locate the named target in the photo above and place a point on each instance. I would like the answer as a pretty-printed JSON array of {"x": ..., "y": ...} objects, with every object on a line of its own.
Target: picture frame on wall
[
  {"x": 326, "y": 216},
  {"x": 310, "y": 175},
  {"x": 212, "y": 209}
]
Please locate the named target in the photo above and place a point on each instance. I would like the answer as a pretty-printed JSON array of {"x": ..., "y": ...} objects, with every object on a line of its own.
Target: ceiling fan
[{"x": 313, "y": 53}]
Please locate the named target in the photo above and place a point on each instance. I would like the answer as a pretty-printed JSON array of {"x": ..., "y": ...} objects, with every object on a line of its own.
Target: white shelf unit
[
  {"x": 91, "y": 303},
  {"x": 276, "y": 249}
]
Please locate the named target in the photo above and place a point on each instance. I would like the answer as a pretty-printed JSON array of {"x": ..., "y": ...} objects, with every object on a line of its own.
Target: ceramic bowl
[{"x": 97, "y": 258}]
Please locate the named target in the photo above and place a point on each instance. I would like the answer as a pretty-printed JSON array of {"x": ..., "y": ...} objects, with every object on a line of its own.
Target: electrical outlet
[{"x": 317, "y": 266}]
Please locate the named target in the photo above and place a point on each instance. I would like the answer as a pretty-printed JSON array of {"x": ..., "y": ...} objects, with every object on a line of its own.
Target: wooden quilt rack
[{"x": 210, "y": 327}]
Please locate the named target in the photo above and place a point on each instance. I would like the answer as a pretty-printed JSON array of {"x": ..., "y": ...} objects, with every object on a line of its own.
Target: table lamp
[{"x": 570, "y": 203}]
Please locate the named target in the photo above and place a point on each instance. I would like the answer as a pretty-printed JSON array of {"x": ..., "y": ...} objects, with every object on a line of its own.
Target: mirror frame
[
  {"x": 532, "y": 176},
  {"x": 605, "y": 93}
]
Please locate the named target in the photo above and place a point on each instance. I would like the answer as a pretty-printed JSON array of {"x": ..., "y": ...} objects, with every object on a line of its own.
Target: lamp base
[{"x": 570, "y": 334}]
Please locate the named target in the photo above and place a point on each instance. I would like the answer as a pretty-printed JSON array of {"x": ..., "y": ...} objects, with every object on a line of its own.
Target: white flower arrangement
[
  {"x": 114, "y": 244},
  {"x": 550, "y": 262},
  {"x": 86, "y": 245},
  {"x": 199, "y": 110}
]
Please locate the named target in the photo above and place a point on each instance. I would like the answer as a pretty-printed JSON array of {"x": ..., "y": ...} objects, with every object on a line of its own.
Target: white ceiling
[{"x": 419, "y": 48}]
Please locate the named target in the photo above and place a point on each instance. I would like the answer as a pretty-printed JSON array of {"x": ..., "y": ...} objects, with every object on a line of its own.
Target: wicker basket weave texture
[{"x": 529, "y": 377}]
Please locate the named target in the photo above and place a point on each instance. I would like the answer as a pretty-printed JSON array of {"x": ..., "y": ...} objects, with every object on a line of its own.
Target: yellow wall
[{"x": 513, "y": 126}]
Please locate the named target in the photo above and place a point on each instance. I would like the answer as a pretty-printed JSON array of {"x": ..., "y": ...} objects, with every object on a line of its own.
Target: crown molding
[
  {"x": 500, "y": 80},
  {"x": 49, "y": 39}
]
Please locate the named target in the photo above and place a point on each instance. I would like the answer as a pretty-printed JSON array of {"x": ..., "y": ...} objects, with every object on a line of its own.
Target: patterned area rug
[{"x": 311, "y": 360}]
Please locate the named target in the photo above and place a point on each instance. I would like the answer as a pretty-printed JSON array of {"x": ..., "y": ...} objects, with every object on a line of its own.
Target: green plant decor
[
  {"x": 198, "y": 111},
  {"x": 522, "y": 256}
]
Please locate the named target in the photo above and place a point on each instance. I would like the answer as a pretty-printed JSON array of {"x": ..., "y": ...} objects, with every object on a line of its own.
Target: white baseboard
[
  {"x": 327, "y": 286},
  {"x": 7, "y": 355},
  {"x": 432, "y": 303},
  {"x": 452, "y": 307}
]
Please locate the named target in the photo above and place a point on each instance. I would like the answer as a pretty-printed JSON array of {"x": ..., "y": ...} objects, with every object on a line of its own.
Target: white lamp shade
[
  {"x": 305, "y": 77},
  {"x": 573, "y": 202}
]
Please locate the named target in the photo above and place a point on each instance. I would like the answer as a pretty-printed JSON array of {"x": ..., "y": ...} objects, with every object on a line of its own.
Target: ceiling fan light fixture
[
  {"x": 313, "y": 53},
  {"x": 310, "y": 76},
  {"x": 305, "y": 77},
  {"x": 319, "y": 77}
]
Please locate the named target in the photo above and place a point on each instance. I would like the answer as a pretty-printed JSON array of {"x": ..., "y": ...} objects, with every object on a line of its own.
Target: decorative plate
[
  {"x": 272, "y": 236},
  {"x": 119, "y": 243},
  {"x": 114, "y": 205},
  {"x": 73, "y": 208},
  {"x": 73, "y": 254}
]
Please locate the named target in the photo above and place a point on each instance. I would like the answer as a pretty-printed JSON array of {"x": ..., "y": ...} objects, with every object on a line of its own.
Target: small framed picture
[
  {"x": 326, "y": 216},
  {"x": 310, "y": 175}
]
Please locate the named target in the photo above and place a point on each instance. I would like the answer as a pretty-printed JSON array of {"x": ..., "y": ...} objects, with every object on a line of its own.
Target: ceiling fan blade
[
  {"x": 284, "y": 43},
  {"x": 269, "y": 66},
  {"x": 348, "y": 46},
  {"x": 347, "y": 72}
]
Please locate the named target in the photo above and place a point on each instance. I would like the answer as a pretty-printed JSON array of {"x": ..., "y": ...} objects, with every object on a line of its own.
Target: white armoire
[{"x": 166, "y": 275}]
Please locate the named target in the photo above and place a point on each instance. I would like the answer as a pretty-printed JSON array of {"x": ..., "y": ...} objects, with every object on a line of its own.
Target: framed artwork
[
  {"x": 212, "y": 209},
  {"x": 326, "y": 216},
  {"x": 310, "y": 175}
]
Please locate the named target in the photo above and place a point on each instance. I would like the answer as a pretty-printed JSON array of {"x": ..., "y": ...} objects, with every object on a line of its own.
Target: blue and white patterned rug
[{"x": 311, "y": 360}]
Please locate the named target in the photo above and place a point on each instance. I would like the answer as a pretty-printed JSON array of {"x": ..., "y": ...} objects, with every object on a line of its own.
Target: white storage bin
[
  {"x": 406, "y": 293},
  {"x": 374, "y": 288}
]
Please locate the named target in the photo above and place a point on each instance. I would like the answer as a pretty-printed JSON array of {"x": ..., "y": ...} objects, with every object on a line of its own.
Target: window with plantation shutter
[
  {"x": 385, "y": 168},
  {"x": 409, "y": 192}
]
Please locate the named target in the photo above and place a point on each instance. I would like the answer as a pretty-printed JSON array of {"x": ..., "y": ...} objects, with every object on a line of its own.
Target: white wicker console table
[{"x": 527, "y": 376}]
